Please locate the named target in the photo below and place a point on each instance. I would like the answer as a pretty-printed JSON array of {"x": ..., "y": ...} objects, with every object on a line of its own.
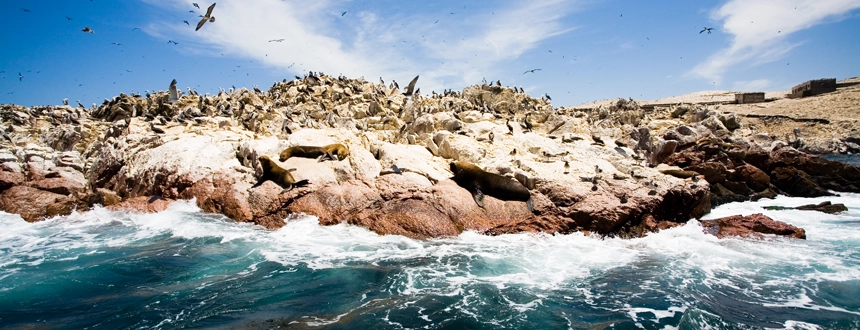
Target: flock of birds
[{"x": 208, "y": 17}]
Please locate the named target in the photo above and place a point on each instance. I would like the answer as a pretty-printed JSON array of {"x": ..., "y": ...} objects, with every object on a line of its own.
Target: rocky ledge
[{"x": 617, "y": 170}]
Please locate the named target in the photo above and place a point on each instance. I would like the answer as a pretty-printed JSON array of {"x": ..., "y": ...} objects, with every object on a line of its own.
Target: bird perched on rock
[
  {"x": 695, "y": 178},
  {"x": 207, "y": 17},
  {"x": 510, "y": 128},
  {"x": 598, "y": 140},
  {"x": 620, "y": 144},
  {"x": 396, "y": 169},
  {"x": 491, "y": 136},
  {"x": 174, "y": 95},
  {"x": 566, "y": 167},
  {"x": 88, "y": 30},
  {"x": 623, "y": 199},
  {"x": 156, "y": 129},
  {"x": 411, "y": 87},
  {"x": 65, "y": 101},
  {"x": 597, "y": 169},
  {"x": 526, "y": 124}
]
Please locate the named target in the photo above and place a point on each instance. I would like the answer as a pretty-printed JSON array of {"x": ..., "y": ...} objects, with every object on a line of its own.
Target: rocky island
[{"x": 621, "y": 167}]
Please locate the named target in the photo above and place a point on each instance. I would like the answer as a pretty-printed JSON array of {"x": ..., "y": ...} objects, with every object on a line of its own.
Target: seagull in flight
[
  {"x": 88, "y": 30},
  {"x": 20, "y": 76},
  {"x": 343, "y": 13},
  {"x": 172, "y": 42},
  {"x": 196, "y": 5},
  {"x": 68, "y": 18},
  {"x": 532, "y": 71},
  {"x": 276, "y": 40},
  {"x": 207, "y": 17},
  {"x": 186, "y": 23},
  {"x": 706, "y": 29}
]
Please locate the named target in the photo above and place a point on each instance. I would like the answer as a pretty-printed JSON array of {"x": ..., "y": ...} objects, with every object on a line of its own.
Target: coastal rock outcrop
[{"x": 586, "y": 170}]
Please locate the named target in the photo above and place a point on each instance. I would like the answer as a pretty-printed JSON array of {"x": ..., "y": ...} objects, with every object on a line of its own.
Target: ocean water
[{"x": 185, "y": 269}]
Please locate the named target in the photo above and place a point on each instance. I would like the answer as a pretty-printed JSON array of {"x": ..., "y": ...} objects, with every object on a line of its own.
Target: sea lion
[
  {"x": 279, "y": 175},
  {"x": 320, "y": 153},
  {"x": 480, "y": 182}
]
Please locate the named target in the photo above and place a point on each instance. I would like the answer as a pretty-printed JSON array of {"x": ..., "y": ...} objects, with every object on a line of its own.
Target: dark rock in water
[
  {"x": 777, "y": 208},
  {"x": 767, "y": 193},
  {"x": 753, "y": 225},
  {"x": 797, "y": 183},
  {"x": 721, "y": 195},
  {"x": 825, "y": 207}
]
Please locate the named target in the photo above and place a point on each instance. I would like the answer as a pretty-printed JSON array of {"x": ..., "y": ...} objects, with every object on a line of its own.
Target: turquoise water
[{"x": 185, "y": 269}]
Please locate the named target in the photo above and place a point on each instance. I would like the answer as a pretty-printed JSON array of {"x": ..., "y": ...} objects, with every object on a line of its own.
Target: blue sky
[{"x": 586, "y": 50}]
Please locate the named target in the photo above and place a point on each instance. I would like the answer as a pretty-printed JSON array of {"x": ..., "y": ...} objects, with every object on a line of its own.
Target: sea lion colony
[{"x": 453, "y": 125}]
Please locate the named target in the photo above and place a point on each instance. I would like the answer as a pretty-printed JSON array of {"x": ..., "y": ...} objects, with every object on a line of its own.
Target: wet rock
[
  {"x": 753, "y": 225},
  {"x": 797, "y": 183},
  {"x": 825, "y": 207},
  {"x": 35, "y": 204},
  {"x": 142, "y": 204}
]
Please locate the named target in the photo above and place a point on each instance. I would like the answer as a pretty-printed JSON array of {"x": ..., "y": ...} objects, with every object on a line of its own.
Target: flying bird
[
  {"x": 116, "y": 43},
  {"x": 135, "y": 29},
  {"x": 186, "y": 23},
  {"x": 531, "y": 71},
  {"x": 196, "y": 5},
  {"x": 411, "y": 86},
  {"x": 207, "y": 17},
  {"x": 276, "y": 40},
  {"x": 68, "y": 18},
  {"x": 88, "y": 30},
  {"x": 20, "y": 76},
  {"x": 706, "y": 29},
  {"x": 174, "y": 95},
  {"x": 25, "y": 10},
  {"x": 172, "y": 42},
  {"x": 343, "y": 13}
]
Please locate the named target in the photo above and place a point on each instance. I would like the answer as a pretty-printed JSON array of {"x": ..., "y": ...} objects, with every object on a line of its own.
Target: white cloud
[
  {"x": 757, "y": 85},
  {"x": 759, "y": 29},
  {"x": 456, "y": 51}
]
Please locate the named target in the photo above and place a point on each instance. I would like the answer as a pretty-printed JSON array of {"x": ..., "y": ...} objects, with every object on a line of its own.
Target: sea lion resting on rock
[
  {"x": 480, "y": 182},
  {"x": 279, "y": 175},
  {"x": 320, "y": 153}
]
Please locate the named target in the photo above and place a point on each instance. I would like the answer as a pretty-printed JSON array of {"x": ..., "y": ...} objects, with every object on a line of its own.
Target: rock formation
[{"x": 629, "y": 171}]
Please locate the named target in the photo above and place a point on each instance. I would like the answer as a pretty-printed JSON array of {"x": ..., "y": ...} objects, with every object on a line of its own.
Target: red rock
[
  {"x": 753, "y": 176},
  {"x": 60, "y": 186},
  {"x": 220, "y": 194},
  {"x": 142, "y": 204},
  {"x": 34, "y": 204},
  {"x": 753, "y": 225},
  {"x": 10, "y": 179}
]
